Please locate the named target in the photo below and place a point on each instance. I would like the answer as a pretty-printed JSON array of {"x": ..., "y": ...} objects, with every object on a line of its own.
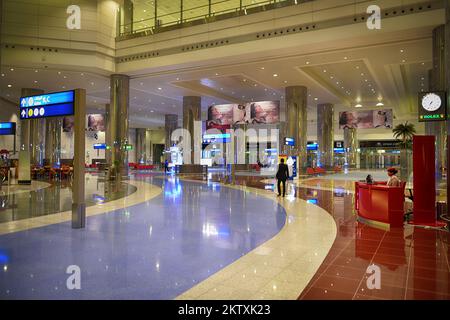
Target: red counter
[{"x": 380, "y": 204}]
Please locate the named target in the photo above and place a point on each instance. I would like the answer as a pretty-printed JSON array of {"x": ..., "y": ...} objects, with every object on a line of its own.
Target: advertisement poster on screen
[
  {"x": 369, "y": 119},
  {"x": 96, "y": 122},
  {"x": 264, "y": 112},
  {"x": 68, "y": 124},
  {"x": 222, "y": 117}
]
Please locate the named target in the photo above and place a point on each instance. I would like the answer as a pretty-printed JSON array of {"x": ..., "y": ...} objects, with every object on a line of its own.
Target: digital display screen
[
  {"x": 289, "y": 141},
  {"x": 312, "y": 146},
  {"x": 100, "y": 146},
  {"x": 7, "y": 128},
  {"x": 47, "y": 105},
  {"x": 216, "y": 138}
]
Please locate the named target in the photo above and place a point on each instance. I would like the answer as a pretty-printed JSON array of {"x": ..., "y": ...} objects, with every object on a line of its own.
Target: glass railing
[{"x": 141, "y": 17}]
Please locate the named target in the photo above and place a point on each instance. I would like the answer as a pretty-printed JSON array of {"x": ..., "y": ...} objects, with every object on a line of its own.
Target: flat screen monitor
[{"x": 7, "y": 128}]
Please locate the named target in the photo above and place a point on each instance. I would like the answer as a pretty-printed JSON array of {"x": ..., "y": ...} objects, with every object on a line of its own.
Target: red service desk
[{"x": 380, "y": 204}]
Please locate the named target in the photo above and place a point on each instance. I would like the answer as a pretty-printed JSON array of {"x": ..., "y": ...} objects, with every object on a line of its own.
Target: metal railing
[{"x": 202, "y": 14}]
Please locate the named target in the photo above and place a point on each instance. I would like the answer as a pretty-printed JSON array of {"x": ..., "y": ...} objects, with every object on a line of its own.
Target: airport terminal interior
[{"x": 144, "y": 146}]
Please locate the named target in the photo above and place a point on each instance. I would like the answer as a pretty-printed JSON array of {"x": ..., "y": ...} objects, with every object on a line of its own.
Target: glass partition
[{"x": 138, "y": 16}]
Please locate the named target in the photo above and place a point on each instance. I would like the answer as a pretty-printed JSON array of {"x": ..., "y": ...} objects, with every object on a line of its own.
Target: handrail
[{"x": 157, "y": 23}]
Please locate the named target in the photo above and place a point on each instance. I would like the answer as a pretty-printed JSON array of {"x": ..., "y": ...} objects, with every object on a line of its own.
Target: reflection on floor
[
  {"x": 42, "y": 198},
  {"x": 414, "y": 262},
  {"x": 155, "y": 249}
]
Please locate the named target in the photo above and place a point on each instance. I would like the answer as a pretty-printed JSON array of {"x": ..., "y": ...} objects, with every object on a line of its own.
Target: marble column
[
  {"x": 141, "y": 152},
  {"x": 437, "y": 82},
  {"x": 191, "y": 121},
  {"x": 325, "y": 135},
  {"x": 32, "y": 133},
  {"x": 296, "y": 121},
  {"x": 53, "y": 140},
  {"x": 117, "y": 126},
  {"x": 351, "y": 147},
  {"x": 171, "y": 123}
]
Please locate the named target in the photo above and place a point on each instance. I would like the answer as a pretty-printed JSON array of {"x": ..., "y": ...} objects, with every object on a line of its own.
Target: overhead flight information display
[{"x": 47, "y": 105}]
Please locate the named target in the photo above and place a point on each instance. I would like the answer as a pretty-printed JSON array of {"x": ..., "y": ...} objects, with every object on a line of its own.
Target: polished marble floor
[
  {"x": 414, "y": 262},
  {"x": 223, "y": 238},
  {"x": 156, "y": 249},
  {"x": 50, "y": 197}
]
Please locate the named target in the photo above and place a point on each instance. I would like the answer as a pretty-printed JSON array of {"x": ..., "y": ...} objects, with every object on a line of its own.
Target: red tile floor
[{"x": 414, "y": 262}]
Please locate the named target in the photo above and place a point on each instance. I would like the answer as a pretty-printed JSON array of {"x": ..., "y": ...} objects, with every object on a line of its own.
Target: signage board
[
  {"x": 47, "y": 105},
  {"x": 100, "y": 146},
  {"x": 7, "y": 128},
  {"x": 289, "y": 141}
]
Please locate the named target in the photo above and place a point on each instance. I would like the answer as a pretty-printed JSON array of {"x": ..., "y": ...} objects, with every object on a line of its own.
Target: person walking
[
  {"x": 166, "y": 166},
  {"x": 282, "y": 176}
]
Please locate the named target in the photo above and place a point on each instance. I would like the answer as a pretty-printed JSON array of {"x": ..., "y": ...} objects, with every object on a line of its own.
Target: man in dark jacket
[{"x": 282, "y": 176}]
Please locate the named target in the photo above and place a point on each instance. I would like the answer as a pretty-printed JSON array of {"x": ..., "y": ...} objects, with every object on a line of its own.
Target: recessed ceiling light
[
  {"x": 401, "y": 50},
  {"x": 316, "y": 99},
  {"x": 262, "y": 68},
  {"x": 35, "y": 81},
  {"x": 92, "y": 83},
  {"x": 357, "y": 67},
  {"x": 141, "y": 83},
  {"x": 362, "y": 74},
  {"x": 178, "y": 79},
  {"x": 217, "y": 74},
  {"x": 358, "y": 106},
  {"x": 403, "y": 60},
  {"x": 9, "y": 85},
  {"x": 3, "y": 74},
  {"x": 285, "y": 81},
  {"x": 307, "y": 62},
  {"x": 380, "y": 104},
  {"x": 331, "y": 77},
  {"x": 324, "y": 70},
  {"x": 265, "y": 89},
  {"x": 159, "y": 88},
  {"x": 65, "y": 77},
  {"x": 275, "y": 75},
  {"x": 345, "y": 58},
  {"x": 59, "y": 72},
  {"x": 12, "y": 69},
  {"x": 423, "y": 63},
  {"x": 35, "y": 71},
  {"x": 152, "y": 111},
  {"x": 82, "y": 74},
  {"x": 245, "y": 80}
]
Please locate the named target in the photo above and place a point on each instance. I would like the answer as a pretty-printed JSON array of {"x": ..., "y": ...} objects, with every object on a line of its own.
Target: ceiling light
[
  {"x": 357, "y": 67},
  {"x": 307, "y": 62},
  {"x": 159, "y": 88},
  {"x": 59, "y": 72},
  {"x": 324, "y": 70},
  {"x": 401, "y": 50},
  {"x": 65, "y": 77},
  {"x": 358, "y": 106},
  {"x": 63, "y": 87},
  {"x": 12, "y": 69},
  {"x": 141, "y": 83},
  {"x": 82, "y": 74},
  {"x": 362, "y": 74},
  {"x": 275, "y": 75},
  {"x": 9, "y": 85},
  {"x": 255, "y": 85},
  {"x": 35, "y": 81},
  {"x": 152, "y": 111},
  {"x": 245, "y": 80},
  {"x": 262, "y": 68},
  {"x": 345, "y": 58},
  {"x": 35, "y": 71},
  {"x": 285, "y": 81},
  {"x": 403, "y": 60},
  {"x": 217, "y": 74},
  {"x": 178, "y": 79},
  {"x": 380, "y": 104},
  {"x": 316, "y": 99},
  {"x": 3, "y": 74},
  {"x": 92, "y": 83}
]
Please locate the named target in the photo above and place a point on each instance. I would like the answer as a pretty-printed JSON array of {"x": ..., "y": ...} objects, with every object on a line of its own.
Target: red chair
[{"x": 310, "y": 171}]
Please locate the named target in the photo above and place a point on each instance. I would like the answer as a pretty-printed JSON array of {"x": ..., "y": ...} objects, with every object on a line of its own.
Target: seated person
[{"x": 393, "y": 180}]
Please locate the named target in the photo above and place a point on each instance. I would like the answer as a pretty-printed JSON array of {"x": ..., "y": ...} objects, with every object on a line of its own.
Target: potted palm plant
[{"x": 404, "y": 132}]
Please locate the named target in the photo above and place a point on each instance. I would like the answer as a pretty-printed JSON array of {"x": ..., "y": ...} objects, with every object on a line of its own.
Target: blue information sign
[
  {"x": 47, "y": 105},
  {"x": 289, "y": 141},
  {"x": 99, "y": 146},
  {"x": 7, "y": 128}
]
